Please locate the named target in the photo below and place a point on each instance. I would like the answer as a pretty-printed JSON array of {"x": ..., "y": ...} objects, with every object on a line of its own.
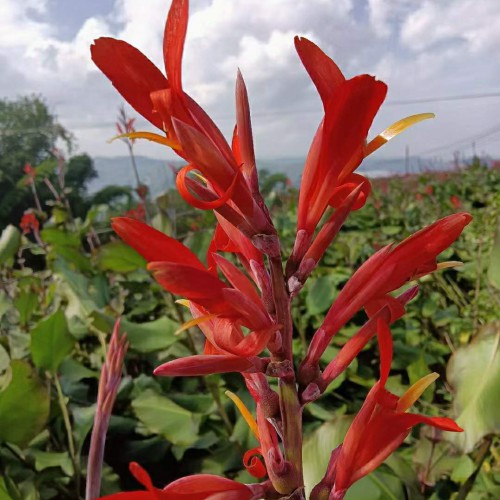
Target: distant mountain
[{"x": 158, "y": 175}]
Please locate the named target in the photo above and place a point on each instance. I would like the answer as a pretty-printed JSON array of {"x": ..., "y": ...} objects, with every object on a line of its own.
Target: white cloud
[{"x": 421, "y": 48}]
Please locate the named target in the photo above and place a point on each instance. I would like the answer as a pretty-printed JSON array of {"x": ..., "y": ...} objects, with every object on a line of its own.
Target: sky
[{"x": 424, "y": 50}]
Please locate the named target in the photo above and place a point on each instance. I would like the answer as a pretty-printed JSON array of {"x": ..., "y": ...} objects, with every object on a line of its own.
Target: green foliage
[
  {"x": 24, "y": 405},
  {"x": 10, "y": 241},
  {"x": 59, "y": 300},
  {"x": 51, "y": 342},
  {"x": 474, "y": 373}
]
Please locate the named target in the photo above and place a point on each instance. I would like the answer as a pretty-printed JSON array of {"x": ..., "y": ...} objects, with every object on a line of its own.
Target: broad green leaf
[
  {"x": 10, "y": 241},
  {"x": 45, "y": 460},
  {"x": 26, "y": 304},
  {"x": 73, "y": 371},
  {"x": 24, "y": 405},
  {"x": 5, "y": 370},
  {"x": 51, "y": 342},
  {"x": 318, "y": 447},
  {"x": 119, "y": 257},
  {"x": 59, "y": 238},
  {"x": 4, "y": 492},
  {"x": 76, "y": 289},
  {"x": 162, "y": 416},
  {"x": 463, "y": 469},
  {"x": 474, "y": 373},
  {"x": 143, "y": 337},
  {"x": 494, "y": 265},
  {"x": 83, "y": 419},
  {"x": 320, "y": 295}
]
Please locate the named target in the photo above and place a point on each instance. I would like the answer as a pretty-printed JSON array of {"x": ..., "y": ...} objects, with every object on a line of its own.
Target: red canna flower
[
  {"x": 349, "y": 105},
  {"x": 196, "y": 487},
  {"x": 29, "y": 223},
  {"x": 229, "y": 173},
  {"x": 386, "y": 271},
  {"x": 429, "y": 190},
  {"x": 219, "y": 308},
  {"x": 138, "y": 213},
  {"x": 381, "y": 425},
  {"x": 30, "y": 173},
  {"x": 455, "y": 201}
]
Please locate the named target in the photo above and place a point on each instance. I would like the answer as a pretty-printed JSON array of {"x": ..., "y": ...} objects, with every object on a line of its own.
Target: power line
[
  {"x": 462, "y": 97},
  {"x": 466, "y": 140}
]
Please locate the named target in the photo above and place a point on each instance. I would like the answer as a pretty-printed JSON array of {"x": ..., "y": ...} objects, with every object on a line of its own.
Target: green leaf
[
  {"x": 45, "y": 460},
  {"x": 474, "y": 373},
  {"x": 58, "y": 238},
  {"x": 320, "y": 296},
  {"x": 51, "y": 342},
  {"x": 119, "y": 257},
  {"x": 494, "y": 265},
  {"x": 463, "y": 469},
  {"x": 10, "y": 241},
  {"x": 318, "y": 447},
  {"x": 5, "y": 370},
  {"x": 26, "y": 304},
  {"x": 24, "y": 405},
  {"x": 162, "y": 416},
  {"x": 143, "y": 337}
]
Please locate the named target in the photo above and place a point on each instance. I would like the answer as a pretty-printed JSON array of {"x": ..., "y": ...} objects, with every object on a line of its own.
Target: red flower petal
[
  {"x": 153, "y": 245},
  {"x": 132, "y": 74},
  {"x": 202, "y": 364},
  {"x": 324, "y": 73},
  {"x": 203, "y": 486}
]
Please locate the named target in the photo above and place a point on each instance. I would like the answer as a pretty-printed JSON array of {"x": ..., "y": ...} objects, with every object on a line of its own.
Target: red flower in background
[
  {"x": 30, "y": 173},
  {"x": 455, "y": 201},
  {"x": 138, "y": 213},
  {"x": 29, "y": 223}
]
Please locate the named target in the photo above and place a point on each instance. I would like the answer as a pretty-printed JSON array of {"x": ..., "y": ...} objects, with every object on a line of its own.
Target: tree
[{"x": 28, "y": 134}]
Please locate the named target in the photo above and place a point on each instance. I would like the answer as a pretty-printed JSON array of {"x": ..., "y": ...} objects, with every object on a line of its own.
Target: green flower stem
[{"x": 69, "y": 431}]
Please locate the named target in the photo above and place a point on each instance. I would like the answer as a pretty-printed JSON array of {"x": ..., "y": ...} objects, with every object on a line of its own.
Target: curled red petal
[
  {"x": 253, "y": 464},
  {"x": 196, "y": 202},
  {"x": 341, "y": 193}
]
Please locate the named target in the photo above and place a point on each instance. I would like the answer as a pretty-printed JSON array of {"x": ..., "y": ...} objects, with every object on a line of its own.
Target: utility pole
[{"x": 407, "y": 159}]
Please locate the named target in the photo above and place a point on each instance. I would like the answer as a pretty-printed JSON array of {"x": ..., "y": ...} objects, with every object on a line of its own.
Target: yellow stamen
[
  {"x": 183, "y": 302},
  {"x": 203, "y": 179},
  {"x": 415, "y": 391},
  {"x": 193, "y": 322},
  {"x": 448, "y": 264},
  {"x": 395, "y": 129},
  {"x": 150, "y": 136},
  {"x": 244, "y": 413}
]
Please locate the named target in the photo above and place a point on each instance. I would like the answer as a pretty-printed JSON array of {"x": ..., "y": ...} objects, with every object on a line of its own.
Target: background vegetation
[{"x": 62, "y": 288}]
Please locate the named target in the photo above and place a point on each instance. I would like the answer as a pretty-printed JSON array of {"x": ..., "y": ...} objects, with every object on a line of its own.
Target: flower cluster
[{"x": 244, "y": 310}]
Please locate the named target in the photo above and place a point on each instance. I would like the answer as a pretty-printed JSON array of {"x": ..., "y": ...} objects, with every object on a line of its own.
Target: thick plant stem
[{"x": 291, "y": 410}]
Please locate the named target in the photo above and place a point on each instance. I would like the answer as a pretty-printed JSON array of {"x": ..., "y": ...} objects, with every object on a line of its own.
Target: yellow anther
[
  {"x": 150, "y": 136},
  {"x": 395, "y": 129},
  {"x": 244, "y": 413},
  {"x": 415, "y": 391},
  {"x": 194, "y": 322}
]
